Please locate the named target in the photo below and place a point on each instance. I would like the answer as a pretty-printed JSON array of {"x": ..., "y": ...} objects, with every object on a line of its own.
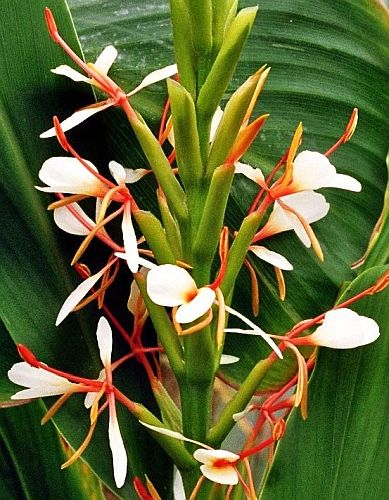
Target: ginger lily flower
[
  {"x": 101, "y": 67},
  {"x": 72, "y": 176},
  {"x": 39, "y": 383},
  {"x": 342, "y": 329},
  {"x": 172, "y": 286},
  {"x": 217, "y": 465},
  {"x": 271, "y": 257}
]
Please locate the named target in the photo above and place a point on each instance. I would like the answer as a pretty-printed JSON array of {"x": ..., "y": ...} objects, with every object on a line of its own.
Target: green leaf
[
  {"x": 31, "y": 457},
  {"x": 344, "y": 442}
]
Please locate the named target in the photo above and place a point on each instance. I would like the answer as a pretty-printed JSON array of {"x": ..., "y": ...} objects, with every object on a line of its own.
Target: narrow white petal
[
  {"x": 228, "y": 359},
  {"x": 119, "y": 455},
  {"x": 178, "y": 485},
  {"x": 106, "y": 59},
  {"x": 76, "y": 118},
  {"x": 66, "y": 221},
  {"x": 170, "y": 433},
  {"x": 67, "y": 175},
  {"x": 154, "y": 77},
  {"x": 76, "y": 296},
  {"x": 208, "y": 457},
  {"x": 220, "y": 475},
  {"x": 117, "y": 172},
  {"x": 198, "y": 306},
  {"x": 255, "y": 174},
  {"x": 345, "y": 329},
  {"x": 256, "y": 329},
  {"x": 216, "y": 119},
  {"x": 271, "y": 257},
  {"x": 129, "y": 239},
  {"x": 71, "y": 73},
  {"x": 91, "y": 396},
  {"x": 104, "y": 340},
  {"x": 170, "y": 285},
  {"x": 133, "y": 176}
]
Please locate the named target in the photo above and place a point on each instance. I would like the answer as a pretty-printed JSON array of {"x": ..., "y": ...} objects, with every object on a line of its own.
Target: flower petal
[
  {"x": 66, "y": 221},
  {"x": 133, "y": 176},
  {"x": 119, "y": 455},
  {"x": 221, "y": 475},
  {"x": 40, "y": 383},
  {"x": 106, "y": 59},
  {"x": 345, "y": 329},
  {"x": 71, "y": 73},
  {"x": 198, "y": 306},
  {"x": 67, "y": 175},
  {"x": 104, "y": 340},
  {"x": 255, "y": 174},
  {"x": 312, "y": 170},
  {"x": 77, "y": 117},
  {"x": 209, "y": 457},
  {"x": 228, "y": 359},
  {"x": 154, "y": 77},
  {"x": 271, "y": 257},
  {"x": 170, "y": 285},
  {"x": 76, "y": 296},
  {"x": 129, "y": 239},
  {"x": 117, "y": 172}
]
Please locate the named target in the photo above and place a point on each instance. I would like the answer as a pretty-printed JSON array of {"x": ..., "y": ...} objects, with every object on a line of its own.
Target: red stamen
[
  {"x": 27, "y": 355},
  {"x": 257, "y": 448},
  {"x": 140, "y": 489},
  {"x": 347, "y": 134},
  {"x": 51, "y": 25}
]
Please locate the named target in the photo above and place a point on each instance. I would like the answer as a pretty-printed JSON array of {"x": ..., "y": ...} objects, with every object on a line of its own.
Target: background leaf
[{"x": 341, "y": 450}]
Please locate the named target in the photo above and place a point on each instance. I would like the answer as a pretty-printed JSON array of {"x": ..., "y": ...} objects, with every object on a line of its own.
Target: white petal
[
  {"x": 345, "y": 182},
  {"x": 312, "y": 170},
  {"x": 104, "y": 340},
  {"x": 71, "y": 73},
  {"x": 255, "y": 174},
  {"x": 170, "y": 285},
  {"x": 91, "y": 396},
  {"x": 255, "y": 330},
  {"x": 40, "y": 382},
  {"x": 66, "y": 221},
  {"x": 228, "y": 359},
  {"x": 129, "y": 239},
  {"x": 221, "y": 475},
  {"x": 345, "y": 329},
  {"x": 133, "y": 176},
  {"x": 117, "y": 172},
  {"x": 208, "y": 457},
  {"x": 271, "y": 257},
  {"x": 216, "y": 119},
  {"x": 198, "y": 306},
  {"x": 170, "y": 433},
  {"x": 154, "y": 77},
  {"x": 119, "y": 455},
  {"x": 77, "y": 118},
  {"x": 67, "y": 175},
  {"x": 106, "y": 59},
  {"x": 178, "y": 486},
  {"x": 76, "y": 296}
]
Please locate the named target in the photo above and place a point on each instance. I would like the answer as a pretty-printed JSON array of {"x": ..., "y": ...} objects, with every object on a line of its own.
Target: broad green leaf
[
  {"x": 34, "y": 274},
  {"x": 31, "y": 457},
  {"x": 321, "y": 69},
  {"x": 340, "y": 451}
]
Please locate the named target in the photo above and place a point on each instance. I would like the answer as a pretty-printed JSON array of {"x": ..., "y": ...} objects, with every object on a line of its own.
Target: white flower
[
  {"x": 102, "y": 66},
  {"x": 39, "y": 382},
  {"x": 344, "y": 329},
  {"x": 218, "y": 465},
  {"x": 172, "y": 286},
  {"x": 271, "y": 257}
]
